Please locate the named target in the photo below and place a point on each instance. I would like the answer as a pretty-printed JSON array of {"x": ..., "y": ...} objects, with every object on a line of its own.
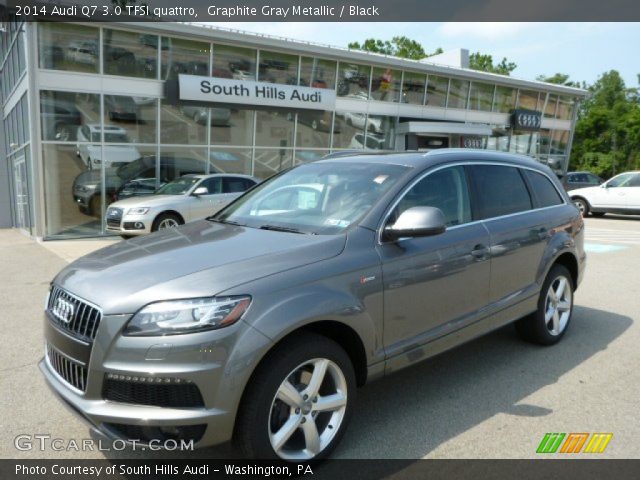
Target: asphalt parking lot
[{"x": 495, "y": 397}]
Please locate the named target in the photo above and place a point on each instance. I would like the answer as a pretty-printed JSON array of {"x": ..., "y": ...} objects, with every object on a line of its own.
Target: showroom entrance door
[{"x": 20, "y": 193}]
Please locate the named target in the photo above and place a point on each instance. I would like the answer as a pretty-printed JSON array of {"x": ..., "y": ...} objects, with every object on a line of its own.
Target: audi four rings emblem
[
  {"x": 529, "y": 120},
  {"x": 63, "y": 310}
]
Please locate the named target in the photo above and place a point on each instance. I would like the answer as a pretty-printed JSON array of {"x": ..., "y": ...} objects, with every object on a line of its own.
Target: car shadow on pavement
[{"x": 410, "y": 413}]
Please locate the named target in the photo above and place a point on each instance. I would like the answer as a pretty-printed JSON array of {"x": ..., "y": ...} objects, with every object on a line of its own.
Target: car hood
[
  {"x": 149, "y": 201},
  {"x": 93, "y": 177},
  {"x": 115, "y": 152},
  {"x": 584, "y": 191},
  {"x": 197, "y": 259}
]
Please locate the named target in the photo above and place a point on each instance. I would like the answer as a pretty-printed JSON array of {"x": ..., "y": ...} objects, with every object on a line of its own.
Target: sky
[{"x": 582, "y": 50}]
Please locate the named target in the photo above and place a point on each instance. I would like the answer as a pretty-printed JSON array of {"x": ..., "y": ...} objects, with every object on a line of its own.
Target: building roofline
[{"x": 229, "y": 35}]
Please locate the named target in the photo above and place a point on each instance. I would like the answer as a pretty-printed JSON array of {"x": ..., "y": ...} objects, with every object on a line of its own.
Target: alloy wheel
[
  {"x": 558, "y": 305},
  {"x": 307, "y": 410},
  {"x": 167, "y": 223}
]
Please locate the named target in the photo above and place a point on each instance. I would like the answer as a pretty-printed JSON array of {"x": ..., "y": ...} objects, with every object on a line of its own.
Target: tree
[
  {"x": 560, "y": 79},
  {"x": 399, "y": 46},
  {"x": 484, "y": 63}
]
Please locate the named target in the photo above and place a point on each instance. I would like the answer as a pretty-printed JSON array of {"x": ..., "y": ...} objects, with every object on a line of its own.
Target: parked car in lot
[
  {"x": 259, "y": 323},
  {"x": 121, "y": 108},
  {"x": 188, "y": 198},
  {"x": 219, "y": 116},
  {"x": 60, "y": 119},
  {"x": 575, "y": 180},
  {"x": 620, "y": 194},
  {"x": 115, "y": 153}
]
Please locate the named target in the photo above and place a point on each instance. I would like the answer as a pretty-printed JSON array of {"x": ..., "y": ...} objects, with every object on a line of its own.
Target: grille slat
[
  {"x": 185, "y": 395},
  {"x": 72, "y": 372},
  {"x": 114, "y": 217},
  {"x": 74, "y": 315}
]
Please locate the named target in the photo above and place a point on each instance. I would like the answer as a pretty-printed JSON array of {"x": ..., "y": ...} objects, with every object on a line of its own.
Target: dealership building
[{"x": 91, "y": 109}]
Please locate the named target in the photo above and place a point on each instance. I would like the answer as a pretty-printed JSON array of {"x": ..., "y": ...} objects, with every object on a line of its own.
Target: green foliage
[
  {"x": 607, "y": 135},
  {"x": 484, "y": 63},
  {"x": 399, "y": 46},
  {"x": 559, "y": 79}
]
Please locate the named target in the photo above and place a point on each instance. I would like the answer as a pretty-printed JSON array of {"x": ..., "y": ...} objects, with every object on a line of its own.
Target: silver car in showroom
[{"x": 188, "y": 198}]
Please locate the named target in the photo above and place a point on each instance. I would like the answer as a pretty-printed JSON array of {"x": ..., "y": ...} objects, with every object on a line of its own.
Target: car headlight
[
  {"x": 138, "y": 211},
  {"x": 187, "y": 316}
]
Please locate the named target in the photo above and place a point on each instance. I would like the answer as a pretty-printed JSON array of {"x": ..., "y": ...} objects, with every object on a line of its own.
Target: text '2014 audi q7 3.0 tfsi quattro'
[{"x": 259, "y": 323}]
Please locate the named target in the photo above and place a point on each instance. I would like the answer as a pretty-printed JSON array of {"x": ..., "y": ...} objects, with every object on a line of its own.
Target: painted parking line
[{"x": 602, "y": 248}]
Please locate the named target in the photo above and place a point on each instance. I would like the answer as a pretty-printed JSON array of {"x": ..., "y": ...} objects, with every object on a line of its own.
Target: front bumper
[
  {"x": 205, "y": 360},
  {"x": 132, "y": 224}
]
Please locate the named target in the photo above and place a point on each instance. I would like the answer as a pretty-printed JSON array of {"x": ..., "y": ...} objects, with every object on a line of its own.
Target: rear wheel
[
  {"x": 299, "y": 401},
  {"x": 548, "y": 324},
  {"x": 166, "y": 220},
  {"x": 582, "y": 205}
]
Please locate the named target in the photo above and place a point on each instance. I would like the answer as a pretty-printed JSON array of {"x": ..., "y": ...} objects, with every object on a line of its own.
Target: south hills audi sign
[
  {"x": 526, "y": 119},
  {"x": 247, "y": 92}
]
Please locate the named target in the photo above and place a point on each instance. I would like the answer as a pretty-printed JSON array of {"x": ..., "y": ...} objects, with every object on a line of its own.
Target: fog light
[
  {"x": 141, "y": 379},
  {"x": 139, "y": 225}
]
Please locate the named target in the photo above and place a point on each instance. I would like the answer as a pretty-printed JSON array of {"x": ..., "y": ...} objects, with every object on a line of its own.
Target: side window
[
  {"x": 543, "y": 189},
  {"x": 635, "y": 181},
  {"x": 445, "y": 189},
  {"x": 620, "y": 181},
  {"x": 500, "y": 189},
  {"x": 233, "y": 185},
  {"x": 213, "y": 185}
]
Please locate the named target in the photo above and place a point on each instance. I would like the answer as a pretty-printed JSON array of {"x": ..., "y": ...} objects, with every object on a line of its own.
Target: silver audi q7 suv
[{"x": 259, "y": 323}]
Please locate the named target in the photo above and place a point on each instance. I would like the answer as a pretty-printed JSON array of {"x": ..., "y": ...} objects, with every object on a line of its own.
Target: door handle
[{"x": 480, "y": 252}]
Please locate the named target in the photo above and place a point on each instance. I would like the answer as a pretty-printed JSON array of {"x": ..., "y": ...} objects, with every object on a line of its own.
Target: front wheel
[
  {"x": 298, "y": 403},
  {"x": 582, "y": 206},
  {"x": 548, "y": 324},
  {"x": 166, "y": 220}
]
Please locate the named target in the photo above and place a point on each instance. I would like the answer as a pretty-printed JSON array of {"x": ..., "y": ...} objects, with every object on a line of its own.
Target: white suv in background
[
  {"x": 621, "y": 194},
  {"x": 116, "y": 152}
]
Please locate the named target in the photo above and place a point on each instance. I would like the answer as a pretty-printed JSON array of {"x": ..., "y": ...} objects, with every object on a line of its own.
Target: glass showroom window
[
  {"x": 70, "y": 47},
  {"x": 130, "y": 54},
  {"x": 381, "y": 131},
  {"x": 529, "y": 100},
  {"x": 317, "y": 73},
  {"x": 413, "y": 88},
  {"x": 183, "y": 56},
  {"x": 269, "y": 161},
  {"x": 499, "y": 139},
  {"x": 230, "y": 160},
  {"x": 353, "y": 81},
  {"x": 234, "y": 62},
  {"x": 231, "y": 126},
  {"x": 350, "y": 129},
  {"x": 306, "y": 156},
  {"x": 481, "y": 96},
  {"x": 133, "y": 116},
  {"x": 273, "y": 129},
  {"x": 62, "y": 113},
  {"x": 458, "y": 94},
  {"x": 385, "y": 84},
  {"x": 178, "y": 161},
  {"x": 437, "y": 88},
  {"x": 540, "y": 141},
  {"x": 314, "y": 128},
  {"x": 559, "y": 141},
  {"x": 276, "y": 67},
  {"x": 565, "y": 108},
  {"x": 505, "y": 100},
  {"x": 521, "y": 142},
  {"x": 552, "y": 105},
  {"x": 184, "y": 123}
]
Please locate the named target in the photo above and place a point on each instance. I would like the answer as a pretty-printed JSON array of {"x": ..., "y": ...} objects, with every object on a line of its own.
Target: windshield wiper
[
  {"x": 277, "y": 228},
  {"x": 228, "y": 222}
]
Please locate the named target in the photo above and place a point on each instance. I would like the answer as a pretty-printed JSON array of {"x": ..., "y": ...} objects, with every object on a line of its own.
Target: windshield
[
  {"x": 620, "y": 181},
  {"x": 317, "y": 198},
  {"x": 179, "y": 186}
]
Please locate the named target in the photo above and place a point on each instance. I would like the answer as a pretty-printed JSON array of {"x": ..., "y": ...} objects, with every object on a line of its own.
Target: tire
[
  {"x": 262, "y": 414},
  {"x": 166, "y": 220},
  {"x": 582, "y": 205},
  {"x": 94, "y": 206},
  {"x": 541, "y": 326}
]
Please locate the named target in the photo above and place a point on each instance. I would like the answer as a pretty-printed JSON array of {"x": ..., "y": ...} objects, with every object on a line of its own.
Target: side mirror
[
  {"x": 417, "y": 222},
  {"x": 200, "y": 191}
]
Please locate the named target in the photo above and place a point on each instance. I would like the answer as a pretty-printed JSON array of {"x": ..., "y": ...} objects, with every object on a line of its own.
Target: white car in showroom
[
  {"x": 116, "y": 151},
  {"x": 188, "y": 198},
  {"x": 621, "y": 194}
]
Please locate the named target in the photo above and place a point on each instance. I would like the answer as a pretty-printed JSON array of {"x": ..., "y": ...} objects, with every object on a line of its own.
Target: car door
[
  {"x": 434, "y": 285},
  {"x": 633, "y": 193},
  {"x": 203, "y": 206},
  {"x": 517, "y": 234}
]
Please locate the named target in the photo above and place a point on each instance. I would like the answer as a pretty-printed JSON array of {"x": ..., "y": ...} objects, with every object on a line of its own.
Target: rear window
[
  {"x": 544, "y": 191},
  {"x": 500, "y": 190}
]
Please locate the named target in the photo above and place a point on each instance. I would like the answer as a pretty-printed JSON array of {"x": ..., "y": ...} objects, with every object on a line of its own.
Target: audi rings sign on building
[{"x": 526, "y": 119}]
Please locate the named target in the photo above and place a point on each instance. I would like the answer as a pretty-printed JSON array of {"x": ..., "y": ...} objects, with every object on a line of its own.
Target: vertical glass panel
[
  {"x": 187, "y": 123},
  {"x": 317, "y": 73},
  {"x": 73, "y": 198},
  {"x": 236, "y": 62},
  {"x": 505, "y": 99},
  {"x": 541, "y": 140},
  {"x": 385, "y": 84},
  {"x": 552, "y": 104},
  {"x": 565, "y": 108},
  {"x": 130, "y": 54},
  {"x": 353, "y": 81},
  {"x": 230, "y": 160},
  {"x": 350, "y": 131},
  {"x": 276, "y": 67},
  {"x": 528, "y": 100},
  {"x": 178, "y": 161},
  {"x": 521, "y": 142},
  {"x": 273, "y": 129},
  {"x": 559, "y": 141},
  {"x": 499, "y": 140},
  {"x": 183, "y": 56},
  {"x": 136, "y": 116},
  {"x": 381, "y": 133},
  {"x": 437, "y": 91},
  {"x": 306, "y": 156},
  {"x": 413, "y": 88},
  {"x": 232, "y": 126},
  {"x": 62, "y": 113},
  {"x": 314, "y": 128},
  {"x": 481, "y": 96},
  {"x": 67, "y": 46},
  {"x": 458, "y": 93},
  {"x": 24, "y": 104},
  {"x": 270, "y": 161}
]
